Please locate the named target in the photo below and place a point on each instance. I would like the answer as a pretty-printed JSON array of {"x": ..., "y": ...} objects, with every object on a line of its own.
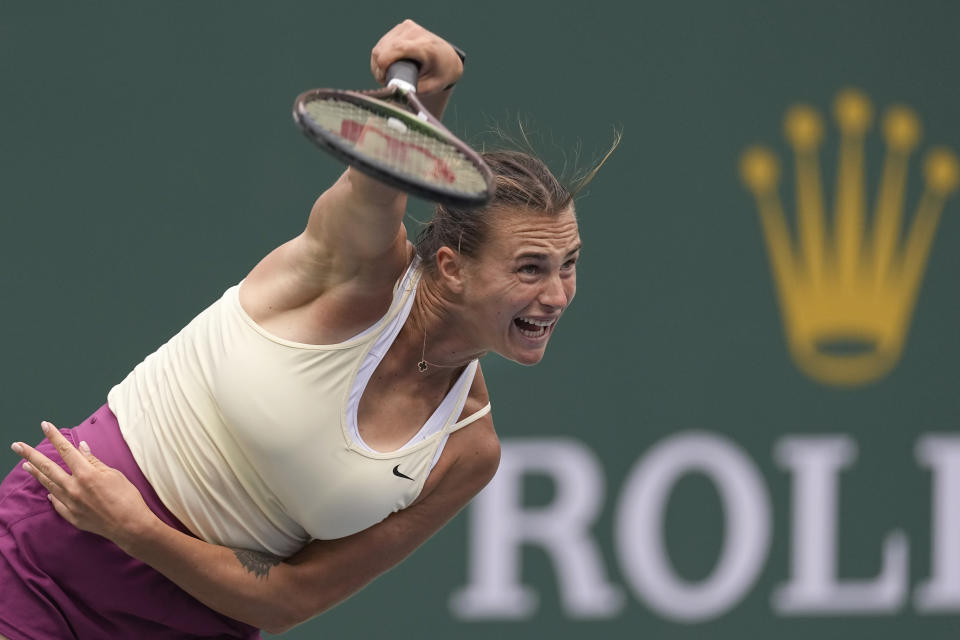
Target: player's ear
[{"x": 450, "y": 269}]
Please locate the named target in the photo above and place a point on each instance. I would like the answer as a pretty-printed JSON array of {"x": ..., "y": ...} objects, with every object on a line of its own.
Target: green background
[{"x": 148, "y": 160}]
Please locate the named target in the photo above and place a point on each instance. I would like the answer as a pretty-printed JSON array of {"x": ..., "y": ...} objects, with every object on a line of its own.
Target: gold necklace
[{"x": 423, "y": 365}]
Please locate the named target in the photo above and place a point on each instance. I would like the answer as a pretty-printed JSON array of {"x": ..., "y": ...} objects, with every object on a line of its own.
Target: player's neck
[{"x": 436, "y": 333}]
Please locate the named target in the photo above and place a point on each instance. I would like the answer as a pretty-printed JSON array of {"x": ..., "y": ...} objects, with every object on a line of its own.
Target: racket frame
[{"x": 395, "y": 100}]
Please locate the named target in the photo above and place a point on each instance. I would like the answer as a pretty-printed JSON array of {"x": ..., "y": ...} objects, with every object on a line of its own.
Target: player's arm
[
  {"x": 354, "y": 231},
  {"x": 261, "y": 590},
  {"x": 358, "y": 214},
  {"x": 351, "y": 215}
]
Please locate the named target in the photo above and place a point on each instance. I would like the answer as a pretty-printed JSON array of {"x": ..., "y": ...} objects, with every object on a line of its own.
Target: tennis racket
[{"x": 389, "y": 135}]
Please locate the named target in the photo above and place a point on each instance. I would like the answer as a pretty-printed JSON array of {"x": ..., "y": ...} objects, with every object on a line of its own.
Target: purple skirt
[{"x": 58, "y": 582}]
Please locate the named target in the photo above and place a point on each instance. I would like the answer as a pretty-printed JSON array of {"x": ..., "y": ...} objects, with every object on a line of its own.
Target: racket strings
[{"x": 396, "y": 145}]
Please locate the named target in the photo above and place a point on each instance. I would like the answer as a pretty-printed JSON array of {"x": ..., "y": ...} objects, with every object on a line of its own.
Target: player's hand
[
  {"x": 92, "y": 497},
  {"x": 440, "y": 66}
]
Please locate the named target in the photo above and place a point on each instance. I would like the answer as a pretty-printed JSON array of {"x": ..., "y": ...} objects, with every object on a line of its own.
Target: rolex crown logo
[{"x": 847, "y": 285}]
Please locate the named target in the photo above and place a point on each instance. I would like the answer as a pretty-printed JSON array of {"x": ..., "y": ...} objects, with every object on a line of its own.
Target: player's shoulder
[
  {"x": 471, "y": 456},
  {"x": 478, "y": 396},
  {"x": 479, "y": 446},
  {"x": 478, "y": 399},
  {"x": 299, "y": 287}
]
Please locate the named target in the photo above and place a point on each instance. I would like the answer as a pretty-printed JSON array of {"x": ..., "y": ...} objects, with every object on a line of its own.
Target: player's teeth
[
  {"x": 539, "y": 323},
  {"x": 540, "y": 331}
]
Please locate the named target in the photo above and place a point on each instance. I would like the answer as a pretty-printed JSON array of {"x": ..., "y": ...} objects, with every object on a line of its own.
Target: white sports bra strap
[{"x": 473, "y": 417}]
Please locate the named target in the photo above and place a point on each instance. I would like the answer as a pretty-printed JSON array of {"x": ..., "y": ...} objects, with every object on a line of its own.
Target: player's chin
[{"x": 529, "y": 360}]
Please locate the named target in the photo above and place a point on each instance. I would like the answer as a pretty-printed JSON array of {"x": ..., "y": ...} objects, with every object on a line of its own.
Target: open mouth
[{"x": 533, "y": 328}]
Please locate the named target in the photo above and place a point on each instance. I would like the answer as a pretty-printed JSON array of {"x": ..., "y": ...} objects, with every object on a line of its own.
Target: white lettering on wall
[
  {"x": 814, "y": 587},
  {"x": 640, "y": 526},
  {"x": 500, "y": 524},
  {"x": 941, "y": 593}
]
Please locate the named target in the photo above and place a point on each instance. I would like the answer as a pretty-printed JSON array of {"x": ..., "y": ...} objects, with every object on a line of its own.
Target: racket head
[{"x": 380, "y": 134}]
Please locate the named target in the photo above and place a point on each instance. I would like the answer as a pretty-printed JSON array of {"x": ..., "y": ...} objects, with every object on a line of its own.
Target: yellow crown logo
[{"x": 846, "y": 295}]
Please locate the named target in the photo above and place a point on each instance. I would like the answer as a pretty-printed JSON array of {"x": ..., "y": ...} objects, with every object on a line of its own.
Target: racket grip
[{"x": 404, "y": 72}]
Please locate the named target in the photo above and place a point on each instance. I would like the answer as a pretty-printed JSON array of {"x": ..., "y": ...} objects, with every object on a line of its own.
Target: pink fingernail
[
  {"x": 45, "y": 426},
  {"x": 26, "y": 466},
  {"x": 17, "y": 447},
  {"x": 84, "y": 446}
]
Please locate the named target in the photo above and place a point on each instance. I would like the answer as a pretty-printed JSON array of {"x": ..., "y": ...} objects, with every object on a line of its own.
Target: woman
[{"x": 307, "y": 431}]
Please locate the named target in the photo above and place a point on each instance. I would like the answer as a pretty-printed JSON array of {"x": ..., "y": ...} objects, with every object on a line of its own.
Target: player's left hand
[{"x": 93, "y": 496}]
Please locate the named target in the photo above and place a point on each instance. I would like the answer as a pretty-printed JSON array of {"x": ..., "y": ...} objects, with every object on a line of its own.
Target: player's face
[{"x": 523, "y": 280}]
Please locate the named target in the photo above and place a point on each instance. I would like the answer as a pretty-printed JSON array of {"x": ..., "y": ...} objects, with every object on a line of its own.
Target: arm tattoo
[{"x": 256, "y": 562}]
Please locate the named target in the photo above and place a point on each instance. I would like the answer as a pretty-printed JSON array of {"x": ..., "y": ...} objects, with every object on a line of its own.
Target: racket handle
[{"x": 403, "y": 74}]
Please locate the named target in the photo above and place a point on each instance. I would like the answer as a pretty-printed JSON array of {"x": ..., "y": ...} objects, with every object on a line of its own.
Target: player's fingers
[
  {"x": 375, "y": 69},
  {"x": 439, "y": 62},
  {"x": 88, "y": 455},
  {"x": 420, "y": 50},
  {"x": 41, "y": 463},
  {"x": 52, "y": 487},
  {"x": 64, "y": 447},
  {"x": 60, "y": 507}
]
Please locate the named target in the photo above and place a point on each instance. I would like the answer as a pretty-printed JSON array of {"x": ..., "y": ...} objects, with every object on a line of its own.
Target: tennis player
[{"x": 309, "y": 429}]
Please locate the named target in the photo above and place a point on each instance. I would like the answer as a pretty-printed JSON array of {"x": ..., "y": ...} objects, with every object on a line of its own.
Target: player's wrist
[
  {"x": 137, "y": 539},
  {"x": 463, "y": 60}
]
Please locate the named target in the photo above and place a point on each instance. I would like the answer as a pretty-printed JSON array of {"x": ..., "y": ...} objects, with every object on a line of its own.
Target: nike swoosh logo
[{"x": 396, "y": 472}]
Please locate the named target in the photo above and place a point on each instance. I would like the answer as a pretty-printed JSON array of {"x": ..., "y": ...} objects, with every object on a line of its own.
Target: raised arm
[
  {"x": 261, "y": 590},
  {"x": 359, "y": 213},
  {"x": 354, "y": 240}
]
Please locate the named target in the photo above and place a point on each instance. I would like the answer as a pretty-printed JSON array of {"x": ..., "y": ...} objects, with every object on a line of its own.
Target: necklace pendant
[{"x": 422, "y": 366}]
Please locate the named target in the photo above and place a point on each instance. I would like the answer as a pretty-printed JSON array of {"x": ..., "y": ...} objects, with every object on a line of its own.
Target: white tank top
[{"x": 250, "y": 439}]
